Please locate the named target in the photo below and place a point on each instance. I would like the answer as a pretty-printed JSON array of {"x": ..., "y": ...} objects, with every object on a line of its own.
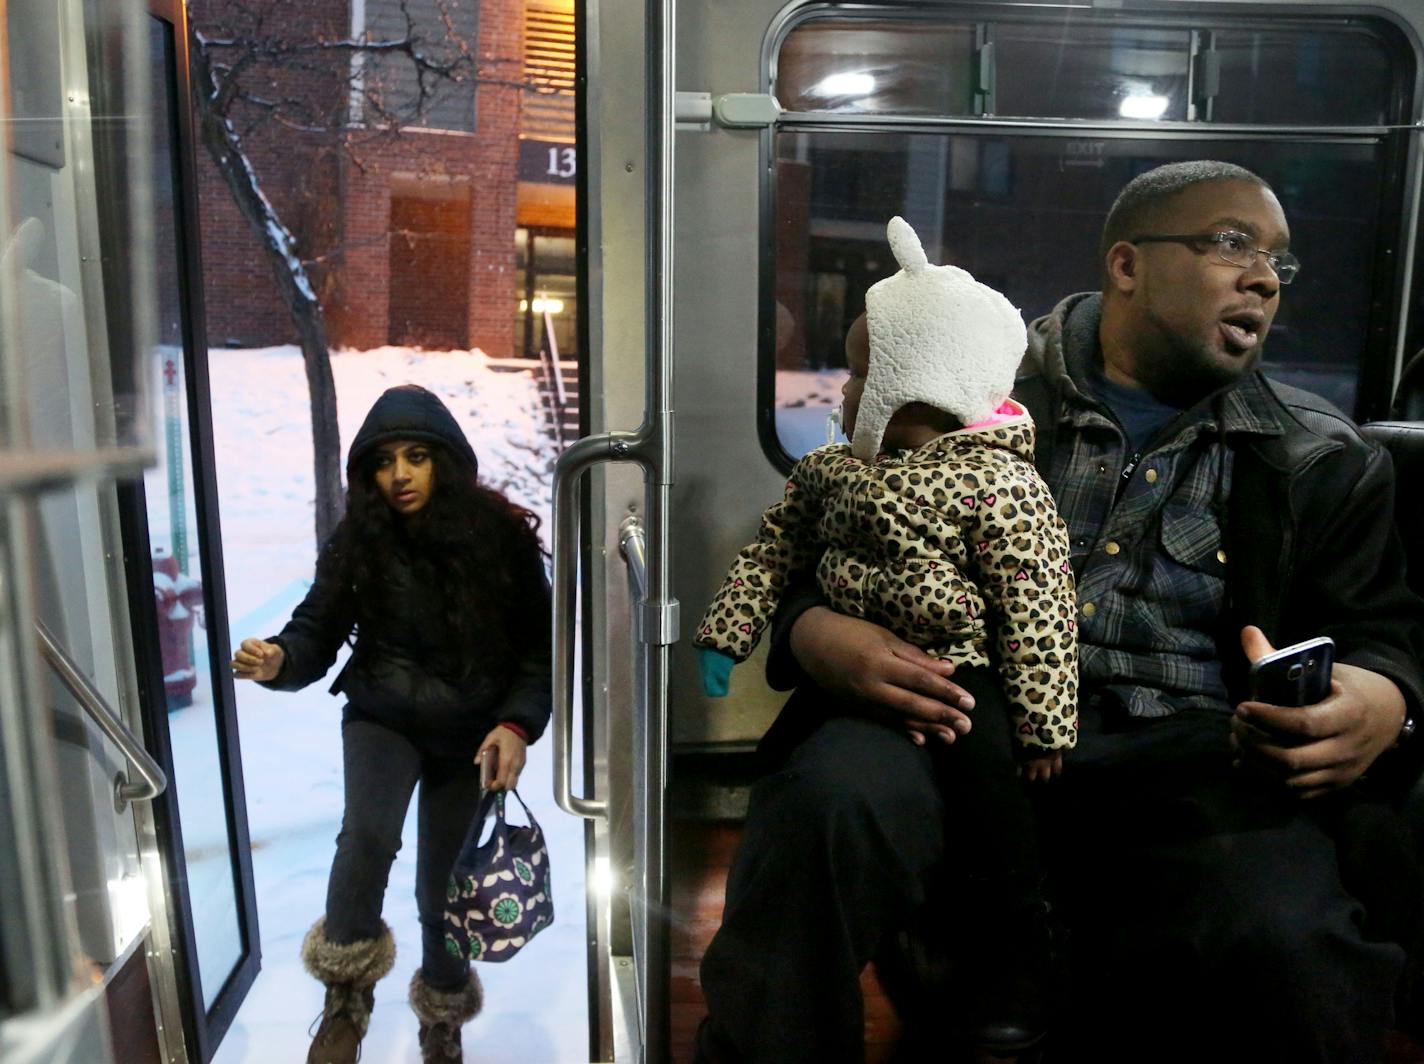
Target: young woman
[{"x": 441, "y": 581}]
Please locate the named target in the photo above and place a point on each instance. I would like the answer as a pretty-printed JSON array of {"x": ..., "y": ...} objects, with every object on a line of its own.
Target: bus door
[
  {"x": 612, "y": 523},
  {"x": 75, "y": 781},
  {"x": 125, "y": 934}
]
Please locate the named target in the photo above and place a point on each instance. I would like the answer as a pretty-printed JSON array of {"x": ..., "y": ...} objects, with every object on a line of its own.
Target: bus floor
[{"x": 701, "y": 854}]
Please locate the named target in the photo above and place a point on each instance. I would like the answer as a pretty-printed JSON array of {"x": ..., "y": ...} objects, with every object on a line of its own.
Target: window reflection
[
  {"x": 1068, "y": 71},
  {"x": 1289, "y": 77},
  {"x": 875, "y": 66}
]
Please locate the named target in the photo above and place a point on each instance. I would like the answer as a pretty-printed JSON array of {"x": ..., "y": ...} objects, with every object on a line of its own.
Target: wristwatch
[{"x": 1406, "y": 731}]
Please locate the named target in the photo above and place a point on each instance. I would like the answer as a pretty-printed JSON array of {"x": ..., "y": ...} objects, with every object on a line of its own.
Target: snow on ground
[
  {"x": 803, "y": 400},
  {"x": 535, "y": 1010}
]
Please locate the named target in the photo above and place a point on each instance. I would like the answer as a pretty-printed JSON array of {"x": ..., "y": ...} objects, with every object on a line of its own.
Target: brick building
[{"x": 422, "y": 237}]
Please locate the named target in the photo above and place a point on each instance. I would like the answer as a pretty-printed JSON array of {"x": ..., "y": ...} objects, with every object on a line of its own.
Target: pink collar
[{"x": 1008, "y": 410}]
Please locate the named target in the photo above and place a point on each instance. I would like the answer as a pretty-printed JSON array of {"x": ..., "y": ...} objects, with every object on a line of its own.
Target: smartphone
[
  {"x": 1297, "y": 675},
  {"x": 489, "y": 767}
]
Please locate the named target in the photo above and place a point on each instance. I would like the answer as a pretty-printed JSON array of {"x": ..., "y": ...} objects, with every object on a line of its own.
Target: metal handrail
[
  {"x": 549, "y": 367},
  {"x": 634, "y": 546},
  {"x": 87, "y": 695},
  {"x": 576, "y": 460},
  {"x": 553, "y": 342}
]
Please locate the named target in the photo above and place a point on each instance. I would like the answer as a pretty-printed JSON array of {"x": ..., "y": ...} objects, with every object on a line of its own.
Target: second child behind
[{"x": 934, "y": 523}]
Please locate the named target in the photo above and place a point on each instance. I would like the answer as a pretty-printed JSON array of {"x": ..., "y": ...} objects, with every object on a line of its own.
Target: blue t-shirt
[{"x": 1140, "y": 413}]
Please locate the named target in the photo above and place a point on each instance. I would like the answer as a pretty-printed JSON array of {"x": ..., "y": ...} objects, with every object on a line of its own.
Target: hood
[
  {"x": 409, "y": 412},
  {"x": 937, "y": 336},
  {"x": 1045, "y": 355}
]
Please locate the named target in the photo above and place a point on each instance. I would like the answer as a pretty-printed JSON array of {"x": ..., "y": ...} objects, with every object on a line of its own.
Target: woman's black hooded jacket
[{"x": 404, "y": 670}]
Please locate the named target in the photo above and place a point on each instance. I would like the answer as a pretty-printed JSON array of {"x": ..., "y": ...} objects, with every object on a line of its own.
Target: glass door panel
[
  {"x": 173, "y": 546},
  {"x": 55, "y": 305},
  {"x": 179, "y": 583}
]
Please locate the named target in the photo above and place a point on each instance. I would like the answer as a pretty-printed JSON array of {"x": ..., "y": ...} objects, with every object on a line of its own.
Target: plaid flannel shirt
[{"x": 1147, "y": 545}]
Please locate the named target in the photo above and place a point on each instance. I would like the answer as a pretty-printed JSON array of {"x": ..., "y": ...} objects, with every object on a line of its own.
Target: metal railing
[
  {"x": 554, "y": 378},
  {"x": 94, "y": 703}
]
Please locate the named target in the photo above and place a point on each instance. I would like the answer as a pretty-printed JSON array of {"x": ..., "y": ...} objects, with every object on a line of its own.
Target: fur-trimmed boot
[
  {"x": 441, "y": 1014},
  {"x": 350, "y": 971}
]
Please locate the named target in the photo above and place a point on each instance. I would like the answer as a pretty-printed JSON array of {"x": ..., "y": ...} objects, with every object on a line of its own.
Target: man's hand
[
  {"x": 1320, "y": 748},
  {"x": 257, "y": 659},
  {"x": 508, "y": 751},
  {"x": 863, "y": 663}
]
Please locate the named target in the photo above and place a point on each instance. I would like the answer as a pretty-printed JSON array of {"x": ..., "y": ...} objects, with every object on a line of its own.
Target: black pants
[
  {"x": 382, "y": 767},
  {"x": 1215, "y": 915},
  {"x": 1209, "y": 917},
  {"x": 842, "y": 845}
]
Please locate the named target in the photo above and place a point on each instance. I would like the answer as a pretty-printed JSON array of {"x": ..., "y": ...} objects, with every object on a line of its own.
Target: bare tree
[{"x": 386, "y": 84}]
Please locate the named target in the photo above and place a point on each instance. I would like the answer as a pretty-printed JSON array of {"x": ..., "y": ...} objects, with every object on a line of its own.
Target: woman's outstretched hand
[
  {"x": 257, "y": 659},
  {"x": 508, "y": 751}
]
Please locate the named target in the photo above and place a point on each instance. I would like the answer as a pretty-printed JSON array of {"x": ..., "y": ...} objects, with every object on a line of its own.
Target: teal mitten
[{"x": 716, "y": 669}]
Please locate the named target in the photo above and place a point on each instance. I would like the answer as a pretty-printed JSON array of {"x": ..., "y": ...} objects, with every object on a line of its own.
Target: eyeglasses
[{"x": 1232, "y": 248}]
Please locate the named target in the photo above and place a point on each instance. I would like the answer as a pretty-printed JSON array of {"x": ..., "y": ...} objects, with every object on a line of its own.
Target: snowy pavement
[{"x": 535, "y": 1005}]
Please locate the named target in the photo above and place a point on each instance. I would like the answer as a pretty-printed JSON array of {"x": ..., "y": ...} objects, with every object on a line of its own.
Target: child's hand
[
  {"x": 1043, "y": 767},
  {"x": 716, "y": 668},
  {"x": 507, "y": 749},
  {"x": 257, "y": 659}
]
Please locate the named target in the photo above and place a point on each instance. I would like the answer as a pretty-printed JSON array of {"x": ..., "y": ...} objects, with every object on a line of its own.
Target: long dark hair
[{"x": 471, "y": 546}]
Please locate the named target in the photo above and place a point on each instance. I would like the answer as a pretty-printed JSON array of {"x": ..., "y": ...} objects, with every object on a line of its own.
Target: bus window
[
  {"x": 1290, "y": 77},
  {"x": 1068, "y": 71},
  {"x": 873, "y": 66},
  {"x": 1021, "y": 205}
]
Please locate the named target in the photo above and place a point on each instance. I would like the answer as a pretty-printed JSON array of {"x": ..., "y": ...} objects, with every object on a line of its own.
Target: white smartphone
[{"x": 1297, "y": 675}]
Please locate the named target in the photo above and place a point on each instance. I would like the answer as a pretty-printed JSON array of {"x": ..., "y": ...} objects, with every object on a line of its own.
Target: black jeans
[
  {"x": 1209, "y": 918},
  {"x": 842, "y": 845},
  {"x": 1215, "y": 915},
  {"x": 382, "y": 767}
]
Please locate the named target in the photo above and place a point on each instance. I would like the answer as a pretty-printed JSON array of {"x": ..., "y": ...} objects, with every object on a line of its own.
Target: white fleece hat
[{"x": 937, "y": 336}]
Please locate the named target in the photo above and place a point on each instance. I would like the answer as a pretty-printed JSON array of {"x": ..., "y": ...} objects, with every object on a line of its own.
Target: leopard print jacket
[{"x": 955, "y": 546}]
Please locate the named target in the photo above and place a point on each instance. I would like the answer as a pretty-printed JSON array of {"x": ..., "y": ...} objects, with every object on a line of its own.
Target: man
[{"x": 1219, "y": 860}]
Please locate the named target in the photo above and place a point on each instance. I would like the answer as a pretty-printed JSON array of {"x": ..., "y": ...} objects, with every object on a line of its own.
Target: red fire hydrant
[{"x": 179, "y": 598}]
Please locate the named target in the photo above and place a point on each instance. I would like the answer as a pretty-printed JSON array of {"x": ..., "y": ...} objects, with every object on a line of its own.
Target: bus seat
[
  {"x": 1404, "y": 439},
  {"x": 1405, "y": 442},
  {"x": 1409, "y": 396}
]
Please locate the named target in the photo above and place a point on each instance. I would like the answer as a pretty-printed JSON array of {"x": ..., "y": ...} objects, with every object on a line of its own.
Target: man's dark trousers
[{"x": 1209, "y": 917}]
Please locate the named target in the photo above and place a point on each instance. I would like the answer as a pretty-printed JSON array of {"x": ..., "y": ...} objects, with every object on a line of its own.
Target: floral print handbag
[{"x": 499, "y": 894}]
